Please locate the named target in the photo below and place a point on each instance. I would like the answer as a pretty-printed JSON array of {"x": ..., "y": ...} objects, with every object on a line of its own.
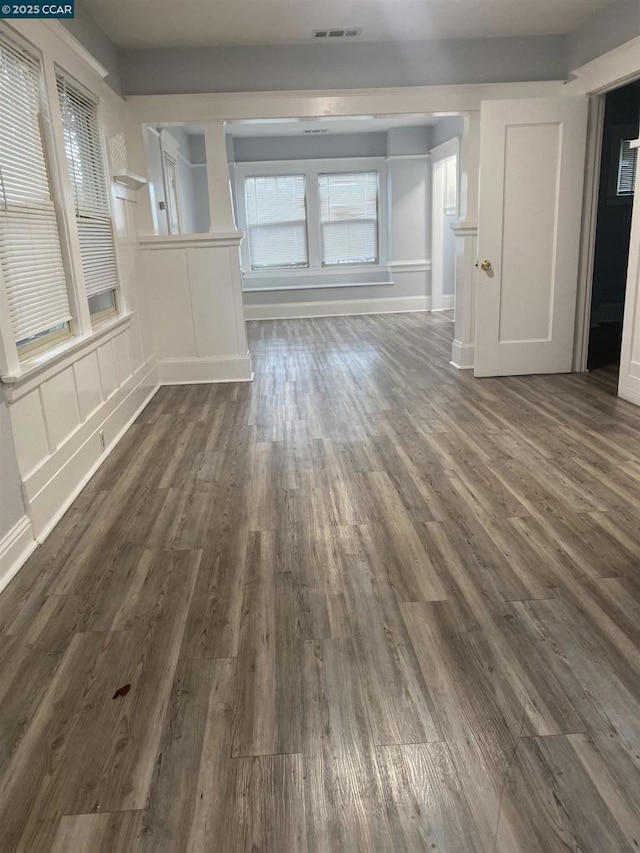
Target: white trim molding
[
  {"x": 343, "y": 307},
  {"x": 228, "y": 106},
  {"x": 608, "y": 71},
  {"x": 420, "y": 265},
  {"x": 463, "y": 356},
  {"x": 15, "y": 549},
  {"x": 463, "y": 347},
  {"x": 425, "y": 156},
  {"x": 156, "y": 242},
  {"x": 197, "y": 371}
]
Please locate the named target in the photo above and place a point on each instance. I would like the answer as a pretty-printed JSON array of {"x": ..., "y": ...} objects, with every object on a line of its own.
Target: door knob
[{"x": 485, "y": 266}]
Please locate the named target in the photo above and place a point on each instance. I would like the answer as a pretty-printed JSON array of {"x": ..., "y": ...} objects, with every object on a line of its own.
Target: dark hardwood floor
[{"x": 366, "y": 603}]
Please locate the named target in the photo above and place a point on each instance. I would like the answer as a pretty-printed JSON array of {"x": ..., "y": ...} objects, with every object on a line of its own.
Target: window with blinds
[
  {"x": 83, "y": 145},
  {"x": 171, "y": 192},
  {"x": 627, "y": 168},
  {"x": 349, "y": 218},
  {"x": 30, "y": 253},
  {"x": 277, "y": 221}
]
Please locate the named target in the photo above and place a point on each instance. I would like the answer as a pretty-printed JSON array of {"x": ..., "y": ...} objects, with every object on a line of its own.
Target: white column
[
  {"x": 218, "y": 179},
  {"x": 466, "y": 233}
]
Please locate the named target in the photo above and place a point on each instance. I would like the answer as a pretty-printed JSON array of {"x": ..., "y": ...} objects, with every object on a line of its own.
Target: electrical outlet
[{"x": 101, "y": 436}]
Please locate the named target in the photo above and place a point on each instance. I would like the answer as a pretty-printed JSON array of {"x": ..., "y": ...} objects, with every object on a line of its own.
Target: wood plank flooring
[{"x": 366, "y": 603}]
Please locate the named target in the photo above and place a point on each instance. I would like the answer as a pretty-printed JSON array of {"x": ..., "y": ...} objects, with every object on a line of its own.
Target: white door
[{"x": 532, "y": 158}]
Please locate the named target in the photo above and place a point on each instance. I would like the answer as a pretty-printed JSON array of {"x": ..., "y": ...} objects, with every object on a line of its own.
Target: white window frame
[
  {"x": 312, "y": 169},
  {"x": 61, "y": 329},
  {"x": 100, "y": 318},
  {"x": 55, "y": 58},
  {"x": 347, "y": 265},
  {"x": 247, "y": 228}
]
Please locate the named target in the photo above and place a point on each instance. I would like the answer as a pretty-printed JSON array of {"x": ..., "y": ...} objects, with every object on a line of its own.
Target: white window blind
[
  {"x": 277, "y": 221},
  {"x": 627, "y": 168},
  {"x": 83, "y": 146},
  {"x": 30, "y": 252},
  {"x": 171, "y": 181},
  {"x": 349, "y": 218}
]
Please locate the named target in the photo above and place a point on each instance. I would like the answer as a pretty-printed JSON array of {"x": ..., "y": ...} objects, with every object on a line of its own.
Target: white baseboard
[
  {"x": 15, "y": 548},
  {"x": 52, "y": 488},
  {"x": 195, "y": 371},
  {"x": 463, "y": 355},
  {"x": 337, "y": 308},
  {"x": 448, "y": 301}
]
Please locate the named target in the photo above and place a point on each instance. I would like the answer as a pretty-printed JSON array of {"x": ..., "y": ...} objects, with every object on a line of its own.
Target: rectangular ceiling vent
[
  {"x": 316, "y": 130},
  {"x": 351, "y": 33}
]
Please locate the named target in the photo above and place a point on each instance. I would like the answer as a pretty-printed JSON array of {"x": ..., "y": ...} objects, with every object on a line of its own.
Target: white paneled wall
[
  {"x": 68, "y": 417},
  {"x": 195, "y": 303},
  {"x": 68, "y": 408}
]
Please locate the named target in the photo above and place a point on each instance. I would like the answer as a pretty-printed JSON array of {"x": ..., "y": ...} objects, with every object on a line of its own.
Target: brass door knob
[{"x": 485, "y": 266}]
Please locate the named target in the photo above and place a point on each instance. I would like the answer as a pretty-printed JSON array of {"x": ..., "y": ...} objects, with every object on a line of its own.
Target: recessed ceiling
[
  {"x": 348, "y": 124},
  {"x": 176, "y": 23}
]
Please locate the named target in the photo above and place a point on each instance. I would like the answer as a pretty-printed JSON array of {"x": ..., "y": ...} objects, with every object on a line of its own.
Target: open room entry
[{"x": 337, "y": 213}]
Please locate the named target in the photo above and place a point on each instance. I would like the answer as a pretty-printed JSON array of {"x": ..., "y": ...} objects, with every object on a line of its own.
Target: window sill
[
  {"x": 363, "y": 275},
  {"x": 34, "y": 368},
  {"x": 325, "y": 286}
]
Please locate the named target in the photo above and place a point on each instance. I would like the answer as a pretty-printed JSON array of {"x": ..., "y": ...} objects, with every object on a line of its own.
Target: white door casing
[
  {"x": 629, "y": 383},
  {"x": 530, "y": 203}
]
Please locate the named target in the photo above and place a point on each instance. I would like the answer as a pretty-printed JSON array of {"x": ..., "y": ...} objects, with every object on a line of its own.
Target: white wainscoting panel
[
  {"x": 107, "y": 367},
  {"x": 88, "y": 385},
  {"x": 463, "y": 347},
  {"x": 193, "y": 288},
  {"x": 58, "y": 416},
  {"x": 60, "y": 407},
  {"x": 214, "y": 305},
  {"x": 29, "y": 432},
  {"x": 122, "y": 357}
]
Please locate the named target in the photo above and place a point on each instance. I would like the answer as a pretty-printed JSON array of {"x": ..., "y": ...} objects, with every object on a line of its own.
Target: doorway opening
[
  {"x": 337, "y": 213},
  {"x": 613, "y": 225}
]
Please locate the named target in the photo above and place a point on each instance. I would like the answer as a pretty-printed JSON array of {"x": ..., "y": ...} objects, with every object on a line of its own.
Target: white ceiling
[
  {"x": 354, "y": 124},
  {"x": 174, "y": 23}
]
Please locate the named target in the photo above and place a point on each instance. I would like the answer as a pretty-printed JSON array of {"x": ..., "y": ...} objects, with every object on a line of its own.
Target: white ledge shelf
[
  {"x": 215, "y": 239},
  {"x": 129, "y": 179}
]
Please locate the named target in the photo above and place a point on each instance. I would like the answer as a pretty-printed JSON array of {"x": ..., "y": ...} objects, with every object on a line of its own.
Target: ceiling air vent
[{"x": 351, "y": 33}]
